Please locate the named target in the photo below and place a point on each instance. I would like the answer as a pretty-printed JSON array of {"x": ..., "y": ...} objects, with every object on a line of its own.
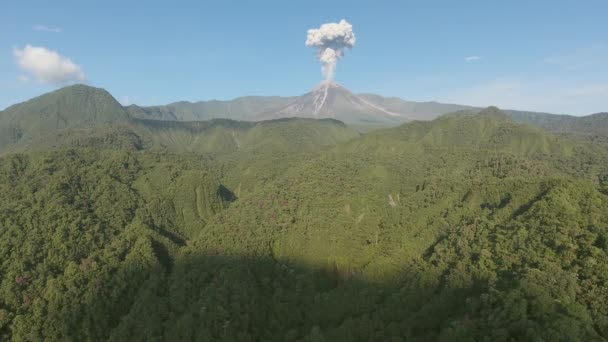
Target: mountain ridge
[
  {"x": 409, "y": 110},
  {"x": 83, "y": 105}
]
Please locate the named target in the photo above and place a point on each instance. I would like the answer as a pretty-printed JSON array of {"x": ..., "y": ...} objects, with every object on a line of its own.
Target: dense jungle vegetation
[{"x": 467, "y": 228}]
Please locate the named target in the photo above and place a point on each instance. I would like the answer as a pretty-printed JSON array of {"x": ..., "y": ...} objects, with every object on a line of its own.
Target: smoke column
[{"x": 331, "y": 41}]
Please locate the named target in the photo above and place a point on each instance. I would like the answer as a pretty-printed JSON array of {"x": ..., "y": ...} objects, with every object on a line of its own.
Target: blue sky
[{"x": 536, "y": 55}]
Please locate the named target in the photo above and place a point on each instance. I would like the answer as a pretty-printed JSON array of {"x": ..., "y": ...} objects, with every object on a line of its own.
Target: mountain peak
[
  {"x": 329, "y": 99},
  {"x": 81, "y": 86},
  {"x": 80, "y": 89},
  {"x": 327, "y": 84},
  {"x": 77, "y": 105},
  {"x": 493, "y": 112}
]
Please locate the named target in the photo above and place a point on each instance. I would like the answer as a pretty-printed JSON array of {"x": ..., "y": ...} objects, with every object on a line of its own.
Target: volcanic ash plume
[{"x": 331, "y": 40}]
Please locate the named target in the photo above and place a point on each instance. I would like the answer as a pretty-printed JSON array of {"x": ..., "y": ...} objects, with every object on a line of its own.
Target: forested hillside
[
  {"x": 238, "y": 109},
  {"x": 207, "y": 126},
  {"x": 595, "y": 124},
  {"x": 468, "y": 227},
  {"x": 73, "y": 106}
]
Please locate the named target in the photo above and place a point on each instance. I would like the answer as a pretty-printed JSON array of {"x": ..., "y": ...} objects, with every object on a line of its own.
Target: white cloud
[
  {"x": 48, "y": 66},
  {"x": 45, "y": 28},
  {"x": 589, "y": 57},
  {"x": 556, "y": 96},
  {"x": 125, "y": 100},
  {"x": 23, "y": 79},
  {"x": 573, "y": 82}
]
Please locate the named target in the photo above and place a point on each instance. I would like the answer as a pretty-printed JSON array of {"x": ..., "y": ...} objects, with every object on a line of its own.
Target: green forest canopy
[{"x": 468, "y": 227}]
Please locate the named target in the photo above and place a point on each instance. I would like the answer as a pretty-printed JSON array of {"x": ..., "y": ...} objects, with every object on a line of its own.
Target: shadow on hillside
[
  {"x": 215, "y": 297},
  {"x": 211, "y": 295},
  {"x": 225, "y": 194}
]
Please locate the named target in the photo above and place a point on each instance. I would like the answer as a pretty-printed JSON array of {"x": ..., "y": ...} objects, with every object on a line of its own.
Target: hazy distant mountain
[
  {"x": 238, "y": 109},
  {"x": 331, "y": 100},
  {"x": 414, "y": 110},
  {"x": 327, "y": 100}
]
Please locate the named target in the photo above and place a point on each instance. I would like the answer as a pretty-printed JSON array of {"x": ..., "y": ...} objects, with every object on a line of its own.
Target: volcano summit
[{"x": 331, "y": 100}]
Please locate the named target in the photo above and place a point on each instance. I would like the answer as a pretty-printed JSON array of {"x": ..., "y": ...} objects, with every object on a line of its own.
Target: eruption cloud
[{"x": 331, "y": 41}]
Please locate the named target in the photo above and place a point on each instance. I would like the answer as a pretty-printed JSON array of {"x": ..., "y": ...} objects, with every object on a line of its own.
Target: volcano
[{"x": 331, "y": 100}]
